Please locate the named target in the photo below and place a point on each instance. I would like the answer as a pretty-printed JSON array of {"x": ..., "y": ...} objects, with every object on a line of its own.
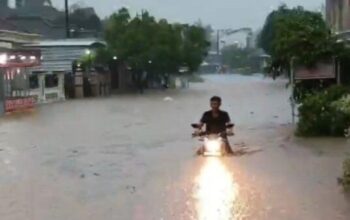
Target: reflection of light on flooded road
[{"x": 216, "y": 191}]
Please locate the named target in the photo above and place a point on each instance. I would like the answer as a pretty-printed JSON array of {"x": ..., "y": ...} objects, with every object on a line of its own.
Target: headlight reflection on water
[{"x": 216, "y": 191}]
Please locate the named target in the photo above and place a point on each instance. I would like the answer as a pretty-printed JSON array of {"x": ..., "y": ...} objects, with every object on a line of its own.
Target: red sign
[
  {"x": 20, "y": 58},
  {"x": 17, "y": 104},
  {"x": 321, "y": 71}
]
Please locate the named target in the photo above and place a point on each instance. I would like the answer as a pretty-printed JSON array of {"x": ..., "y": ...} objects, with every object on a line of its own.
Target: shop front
[{"x": 15, "y": 74}]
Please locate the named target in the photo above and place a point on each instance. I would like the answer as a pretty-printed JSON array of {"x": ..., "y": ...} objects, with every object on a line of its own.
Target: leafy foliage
[
  {"x": 155, "y": 46},
  {"x": 299, "y": 34},
  {"x": 346, "y": 175},
  {"x": 322, "y": 113}
]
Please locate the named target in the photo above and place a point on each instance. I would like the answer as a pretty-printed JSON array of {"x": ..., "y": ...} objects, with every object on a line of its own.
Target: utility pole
[
  {"x": 218, "y": 42},
  {"x": 67, "y": 18}
]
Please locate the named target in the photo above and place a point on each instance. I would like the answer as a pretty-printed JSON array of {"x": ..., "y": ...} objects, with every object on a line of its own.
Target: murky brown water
[{"x": 131, "y": 157}]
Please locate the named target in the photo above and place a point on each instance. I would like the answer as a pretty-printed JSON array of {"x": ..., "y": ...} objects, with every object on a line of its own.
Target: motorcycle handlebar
[{"x": 202, "y": 133}]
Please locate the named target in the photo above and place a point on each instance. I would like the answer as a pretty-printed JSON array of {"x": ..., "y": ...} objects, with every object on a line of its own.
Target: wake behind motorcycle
[{"x": 214, "y": 145}]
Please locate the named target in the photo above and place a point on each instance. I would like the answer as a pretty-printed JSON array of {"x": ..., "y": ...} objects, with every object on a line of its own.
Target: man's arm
[
  {"x": 203, "y": 120},
  {"x": 227, "y": 118},
  {"x": 230, "y": 131}
]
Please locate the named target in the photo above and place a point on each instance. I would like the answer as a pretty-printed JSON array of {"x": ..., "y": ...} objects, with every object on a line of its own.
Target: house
[
  {"x": 11, "y": 38},
  {"x": 38, "y": 25},
  {"x": 58, "y": 56}
]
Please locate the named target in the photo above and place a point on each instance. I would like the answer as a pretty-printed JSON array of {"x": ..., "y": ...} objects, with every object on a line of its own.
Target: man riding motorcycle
[{"x": 216, "y": 122}]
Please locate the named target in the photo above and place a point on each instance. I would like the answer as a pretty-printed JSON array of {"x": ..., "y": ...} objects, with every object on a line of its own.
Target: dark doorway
[
  {"x": 69, "y": 85},
  {"x": 114, "y": 75}
]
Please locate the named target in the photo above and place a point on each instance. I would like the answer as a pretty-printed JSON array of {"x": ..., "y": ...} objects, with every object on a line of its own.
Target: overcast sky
[{"x": 218, "y": 13}]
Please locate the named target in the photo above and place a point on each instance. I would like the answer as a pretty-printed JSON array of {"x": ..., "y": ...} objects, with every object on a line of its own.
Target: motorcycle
[{"x": 214, "y": 145}]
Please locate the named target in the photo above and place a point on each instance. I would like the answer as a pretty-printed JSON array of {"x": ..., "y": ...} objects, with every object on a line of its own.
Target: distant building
[
  {"x": 10, "y": 38},
  {"x": 38, "y": 25},
  {"x": 32, "y": 3},
  {"x": 338, "y": 15},
  {"x": 3, "y": 3},
  {"x": 40, "y": 17}
]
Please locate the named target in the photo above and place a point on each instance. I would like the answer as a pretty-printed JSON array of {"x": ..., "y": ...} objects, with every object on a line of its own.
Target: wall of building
[
  {"x": 32, "y": 3},
  {"x": 13, "y": 39},
  {"x": 338, "y": 14},
  {"x": 3, "y": 3},
  {"x": 43, "y": 94},
  {"x": 60, "y": 58},
  {"x": 2, "y": 95}
]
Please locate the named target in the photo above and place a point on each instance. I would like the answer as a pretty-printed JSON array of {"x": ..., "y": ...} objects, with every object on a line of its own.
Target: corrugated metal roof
[
  {"x": 59, "y": 58},
  {"x": 67, "y": 43}
]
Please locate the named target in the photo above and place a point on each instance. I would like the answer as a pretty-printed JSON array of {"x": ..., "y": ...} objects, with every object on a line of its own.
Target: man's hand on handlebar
[{"x": 230, "y": 133}]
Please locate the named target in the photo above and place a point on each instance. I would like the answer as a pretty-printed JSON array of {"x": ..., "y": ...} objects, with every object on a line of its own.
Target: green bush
[
  {"x": 346, "y": 175},
  {"x": 304, "y": 89},
  {"x": 343, "y": 104},
  {"x": 325, "y": 113}
]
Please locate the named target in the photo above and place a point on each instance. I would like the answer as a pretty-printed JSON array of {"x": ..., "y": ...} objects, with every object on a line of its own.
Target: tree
[
  {"x": 268, "y": 33},
  {"x": 296, "y": 34},
  {"x": 155, "y": 47},
  {"x": 195, "y": 46},
  {"x": 143, "y": 39}
]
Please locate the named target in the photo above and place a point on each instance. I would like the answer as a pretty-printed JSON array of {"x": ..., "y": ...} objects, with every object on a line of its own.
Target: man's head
[{"x": 215, "y": 103}]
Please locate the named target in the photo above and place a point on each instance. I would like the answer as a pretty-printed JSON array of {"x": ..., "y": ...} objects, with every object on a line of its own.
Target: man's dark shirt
[{"x": 217, "y": 124}]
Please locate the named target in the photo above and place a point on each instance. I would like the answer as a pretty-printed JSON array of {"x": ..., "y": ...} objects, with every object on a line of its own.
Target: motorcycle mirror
[
  {"x": 230, "y": 125},
  {"x": 196, "y": 126}
]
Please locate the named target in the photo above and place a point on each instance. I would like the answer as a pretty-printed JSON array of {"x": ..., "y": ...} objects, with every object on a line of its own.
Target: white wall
[{"x": 44, "y": 94}]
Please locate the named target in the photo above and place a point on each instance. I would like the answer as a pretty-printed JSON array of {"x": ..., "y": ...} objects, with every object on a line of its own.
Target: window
[
  {"x": 51, "y": 81},
  {"x": 33, "y": 81}
]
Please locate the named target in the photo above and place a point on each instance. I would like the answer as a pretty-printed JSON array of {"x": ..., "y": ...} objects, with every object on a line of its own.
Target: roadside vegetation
[
  {"x": 325, "y": 113},
  {"x": 295, "y": 37},
  {"x": 152, "y": 48},
  {"x": 346, "y": 175}
]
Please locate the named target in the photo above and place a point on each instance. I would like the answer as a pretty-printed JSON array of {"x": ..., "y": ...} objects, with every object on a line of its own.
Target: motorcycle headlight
[{"x": 213, "y": 146}]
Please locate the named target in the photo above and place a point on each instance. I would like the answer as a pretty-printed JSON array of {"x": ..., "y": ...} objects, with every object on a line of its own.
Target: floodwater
[{"x": 132, "y": 157}]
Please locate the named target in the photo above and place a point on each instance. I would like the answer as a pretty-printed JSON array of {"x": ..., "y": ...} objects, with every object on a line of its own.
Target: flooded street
[{"x": 132, "y": 157}]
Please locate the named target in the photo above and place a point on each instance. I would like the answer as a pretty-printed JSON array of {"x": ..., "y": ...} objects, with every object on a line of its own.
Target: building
[
  {"x": 338, "y": 15},
  {"x": 15, "y": 75},
  {"x": 26, "y": 3},
  {"x": 14, "y": 39},
  {"x": 3, "y": 3},
  {"x": 58, "y": 56},
  {"x": 32, "y": 3},
  {"x": 38, "y": 25},
  {"x": 10, "y": 86}
]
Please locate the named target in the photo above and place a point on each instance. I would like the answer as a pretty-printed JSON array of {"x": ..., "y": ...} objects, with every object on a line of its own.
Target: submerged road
[{"x": 132, "y": 157}]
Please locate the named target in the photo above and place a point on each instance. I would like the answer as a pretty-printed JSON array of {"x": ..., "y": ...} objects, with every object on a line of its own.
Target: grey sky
[{"x": 219, "y": 13}]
